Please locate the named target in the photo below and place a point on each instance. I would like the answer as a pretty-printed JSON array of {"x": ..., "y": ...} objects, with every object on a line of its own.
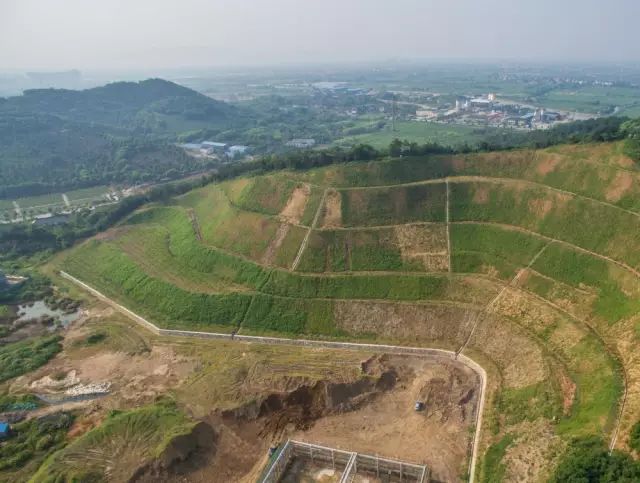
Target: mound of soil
[
  {"x": 184, "y": 454},
  {"x": 302, "y": 406}
]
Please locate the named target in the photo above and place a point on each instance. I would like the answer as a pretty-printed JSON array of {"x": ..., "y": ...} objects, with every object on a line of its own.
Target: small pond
[{"x": 39, "y": 308}]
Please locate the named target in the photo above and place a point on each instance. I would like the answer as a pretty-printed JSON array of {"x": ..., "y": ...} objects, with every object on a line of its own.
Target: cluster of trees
[
  {"x": 631, "y": 130},
  {"x": 25, "y": 240},
  {"x": 43, "y": 155},
  {"x": 588, "y": 460},
  {"x": 120, "y": 104},
  {"x": 592, "y": 130},
  {"x": 54, "y": 140}
]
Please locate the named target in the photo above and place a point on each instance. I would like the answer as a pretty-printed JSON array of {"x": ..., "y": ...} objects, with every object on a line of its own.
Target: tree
[
  {"x": 395, "y": 148},
  {"x": 634, "y": 437},
  {"x": 588, "y": 461},
  {"x": 631, "y": 130}
]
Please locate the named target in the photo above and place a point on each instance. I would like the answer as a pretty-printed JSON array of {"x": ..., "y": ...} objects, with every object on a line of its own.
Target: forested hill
[
  {"x": 56, "y": 139},
  {"x": 152, "y": 104}
]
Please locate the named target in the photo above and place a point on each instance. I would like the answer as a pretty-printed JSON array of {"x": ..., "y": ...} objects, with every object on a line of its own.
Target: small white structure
[
  {"x": 302, "y": 143},
  {"x": 210, "y": 147},
  {"x": 237, "y": 150}
]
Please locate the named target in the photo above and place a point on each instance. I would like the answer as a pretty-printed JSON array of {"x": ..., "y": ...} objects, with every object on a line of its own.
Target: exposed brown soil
[
  {"x": 112, "y": 233},
  {"x": 426, "y": 243},
  {"x": 619, "y": 186},
  {"x": 373, "y": 413},
  {"x": 136, "y": 378},
  {"x": 182, "y": 456},
  {"x": 368, "y": 409},
  {"x": 622, "y": 161},
  {"x": 548, "y": 163},
  {"x": 568, "y": 393},
  {"x": 540, "y": 207},
  {"x": 481, "y": 195},
  {"x": 332, "y": 210},
  {"x": 294, "y": 209},
  {"x": 270, "y": 253},
  {"x": 511, "y": 349},
  {"x": 389, "y": 425}
]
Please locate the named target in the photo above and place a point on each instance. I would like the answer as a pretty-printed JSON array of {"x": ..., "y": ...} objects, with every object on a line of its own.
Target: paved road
[{"x": 390, "y": 349}]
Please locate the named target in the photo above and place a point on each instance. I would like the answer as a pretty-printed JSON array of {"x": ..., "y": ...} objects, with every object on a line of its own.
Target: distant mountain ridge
[
  {"x": 121, "y": 103},
  {"x": 123, "y": 132}
]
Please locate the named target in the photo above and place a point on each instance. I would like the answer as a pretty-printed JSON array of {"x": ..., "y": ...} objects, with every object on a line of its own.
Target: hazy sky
[{"x": 89, "y": 34}]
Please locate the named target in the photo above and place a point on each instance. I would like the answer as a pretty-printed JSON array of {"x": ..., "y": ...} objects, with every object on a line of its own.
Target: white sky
[{"x": 124, "y": 34}]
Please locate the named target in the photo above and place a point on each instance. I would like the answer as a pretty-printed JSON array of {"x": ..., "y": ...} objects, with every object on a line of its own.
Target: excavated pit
[{"x": 376, "y": 408}]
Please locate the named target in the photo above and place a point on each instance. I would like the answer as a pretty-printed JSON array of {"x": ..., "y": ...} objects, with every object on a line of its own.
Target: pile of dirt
[
  {"x": 184, "y": 454},
  {"x": 446, "y": 398}
]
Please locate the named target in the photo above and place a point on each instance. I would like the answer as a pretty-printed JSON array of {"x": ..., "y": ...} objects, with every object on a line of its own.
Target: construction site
[
  {"x": 256, "y": 403},
  {"x": 298, "y": 462}
]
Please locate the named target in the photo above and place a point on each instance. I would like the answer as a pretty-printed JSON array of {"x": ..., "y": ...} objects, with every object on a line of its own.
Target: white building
[
  {"x": 302, "y": 143},
  {"x": 238, "y": 149}
]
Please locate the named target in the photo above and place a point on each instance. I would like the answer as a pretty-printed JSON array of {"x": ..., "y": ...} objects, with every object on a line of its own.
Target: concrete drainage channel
[{"x": 353, "y": 346}]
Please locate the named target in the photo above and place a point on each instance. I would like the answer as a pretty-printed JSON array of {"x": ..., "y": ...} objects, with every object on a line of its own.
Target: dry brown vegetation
[{"x": 331, "y": 215}]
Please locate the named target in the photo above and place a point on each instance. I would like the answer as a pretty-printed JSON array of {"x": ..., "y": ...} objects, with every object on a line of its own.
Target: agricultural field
[
  {"x": 526, "y": 261},
  {"x": 36, "y": 205},
  {"x": 415, "y": 131}
]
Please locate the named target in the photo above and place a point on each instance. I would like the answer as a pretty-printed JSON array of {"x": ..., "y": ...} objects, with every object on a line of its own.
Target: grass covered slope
[
  {"x": 527, "y": 260},
  {"x": 133, "y": 439}
]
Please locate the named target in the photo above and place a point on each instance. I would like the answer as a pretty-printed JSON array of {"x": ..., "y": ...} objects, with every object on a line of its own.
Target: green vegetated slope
[
  {"x": 393, "y": 206},
  {"x": 21, "y": 357},
  {"x": 537, "y": 269},
  {"x": 132, "y": 438},
  {"x": 599, "y": 171},
  {"x": 173, "y": 267}
]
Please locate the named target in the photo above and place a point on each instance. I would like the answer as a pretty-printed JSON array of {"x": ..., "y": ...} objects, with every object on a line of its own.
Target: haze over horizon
[{"x": 37, "y": 34}]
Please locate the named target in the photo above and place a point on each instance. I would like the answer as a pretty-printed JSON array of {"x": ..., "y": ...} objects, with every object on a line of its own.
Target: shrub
[
  {"x": 588, "y": 460},
  {"x": 634, "y": 437}
]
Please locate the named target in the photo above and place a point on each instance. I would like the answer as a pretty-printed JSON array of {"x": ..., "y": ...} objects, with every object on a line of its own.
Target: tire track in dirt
[
  {"x": 303, "y": 245},
  {"x": 269, "y": 255}
]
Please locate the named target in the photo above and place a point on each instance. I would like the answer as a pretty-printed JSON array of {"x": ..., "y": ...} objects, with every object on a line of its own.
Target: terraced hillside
[{"x": 528, "y": 261}]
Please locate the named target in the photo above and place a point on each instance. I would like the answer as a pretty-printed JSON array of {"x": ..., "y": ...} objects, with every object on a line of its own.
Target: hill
[
  {"x": 154, "y": 104},
  {"x": 527, "y": 260},
  {"x": 55, "y": 139}
]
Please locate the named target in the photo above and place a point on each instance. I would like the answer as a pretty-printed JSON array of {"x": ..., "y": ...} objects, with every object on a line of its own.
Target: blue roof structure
[{"x": 4, "y": 428}]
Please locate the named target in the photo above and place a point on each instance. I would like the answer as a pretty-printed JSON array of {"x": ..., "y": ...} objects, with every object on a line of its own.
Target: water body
[{"x": 39, "y": 308}]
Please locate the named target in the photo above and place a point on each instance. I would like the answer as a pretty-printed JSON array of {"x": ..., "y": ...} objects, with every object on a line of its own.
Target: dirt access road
[{"x": 381, "y": 348}]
